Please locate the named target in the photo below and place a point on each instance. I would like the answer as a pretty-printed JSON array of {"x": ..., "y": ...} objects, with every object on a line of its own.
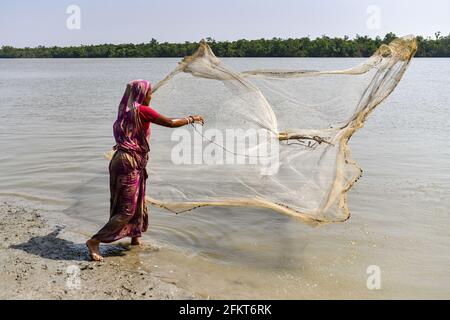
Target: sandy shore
[{"x": 42, "y": 259}]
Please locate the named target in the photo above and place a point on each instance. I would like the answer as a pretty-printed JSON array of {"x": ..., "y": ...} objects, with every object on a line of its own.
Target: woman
[{"x": 127, "y": 168}]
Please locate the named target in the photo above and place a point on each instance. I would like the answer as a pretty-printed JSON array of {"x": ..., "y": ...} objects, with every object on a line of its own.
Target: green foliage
[{"x": 361, "y": 46}]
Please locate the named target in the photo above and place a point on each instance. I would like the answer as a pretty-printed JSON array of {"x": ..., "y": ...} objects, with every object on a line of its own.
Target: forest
[{"x": 360, "y": 46}]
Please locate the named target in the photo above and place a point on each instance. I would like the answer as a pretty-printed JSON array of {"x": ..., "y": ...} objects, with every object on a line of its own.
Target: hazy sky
[{"x": 43, "y": 22}]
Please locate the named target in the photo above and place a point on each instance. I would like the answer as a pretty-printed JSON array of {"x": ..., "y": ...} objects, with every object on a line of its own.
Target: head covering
[{"x": 127, "y": 128}]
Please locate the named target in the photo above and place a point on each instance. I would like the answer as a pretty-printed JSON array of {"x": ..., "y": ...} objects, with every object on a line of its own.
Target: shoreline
[{"x": 42, "y": 259}]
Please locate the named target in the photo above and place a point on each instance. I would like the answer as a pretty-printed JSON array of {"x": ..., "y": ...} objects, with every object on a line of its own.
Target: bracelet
[
  {"x": 189, "y": 120},
  {"x": 192, "y": 119}
]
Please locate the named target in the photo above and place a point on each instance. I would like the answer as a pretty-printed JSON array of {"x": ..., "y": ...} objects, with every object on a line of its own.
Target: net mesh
[{"x": 274, "y": 139}]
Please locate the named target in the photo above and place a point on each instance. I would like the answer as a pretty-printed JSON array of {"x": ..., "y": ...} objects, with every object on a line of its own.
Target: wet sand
[{"x": 41, "y": 259}]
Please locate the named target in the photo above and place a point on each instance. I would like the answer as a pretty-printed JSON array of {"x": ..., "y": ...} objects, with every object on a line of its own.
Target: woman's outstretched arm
[{"x": 177, "y": 122}]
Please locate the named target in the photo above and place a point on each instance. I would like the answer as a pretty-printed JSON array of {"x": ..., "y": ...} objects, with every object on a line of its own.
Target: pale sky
[{"x": 43, "y": 22}]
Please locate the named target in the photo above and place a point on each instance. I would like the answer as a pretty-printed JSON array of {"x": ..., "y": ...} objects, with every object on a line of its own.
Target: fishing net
[{"x": 274, "y": 139}]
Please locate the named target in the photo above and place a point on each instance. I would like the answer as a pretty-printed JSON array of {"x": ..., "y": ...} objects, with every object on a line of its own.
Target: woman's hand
[
  {"x": 198, "y": 119},
  {"x": 177, "y": 122}
]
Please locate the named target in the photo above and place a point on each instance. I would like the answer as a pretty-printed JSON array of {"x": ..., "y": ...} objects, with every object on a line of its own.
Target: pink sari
[{"x": 127, "y": 169}]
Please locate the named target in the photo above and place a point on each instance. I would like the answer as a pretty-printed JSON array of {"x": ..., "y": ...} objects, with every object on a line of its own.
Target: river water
[{"x": 56, "y": 118}]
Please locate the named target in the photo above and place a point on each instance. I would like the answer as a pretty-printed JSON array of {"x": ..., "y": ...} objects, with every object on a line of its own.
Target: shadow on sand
[{"x": 52, "y": 247}]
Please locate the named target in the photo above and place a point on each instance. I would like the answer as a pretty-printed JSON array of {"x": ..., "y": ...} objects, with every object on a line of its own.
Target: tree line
[{"x": 360, "y": 46}]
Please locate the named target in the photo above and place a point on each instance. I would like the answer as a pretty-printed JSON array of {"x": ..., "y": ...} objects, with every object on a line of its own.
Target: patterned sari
[{"x": 127, "y": 169}]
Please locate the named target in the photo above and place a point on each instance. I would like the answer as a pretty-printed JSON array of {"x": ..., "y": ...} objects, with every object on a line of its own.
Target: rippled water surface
[{"x": 56, "y": 118}]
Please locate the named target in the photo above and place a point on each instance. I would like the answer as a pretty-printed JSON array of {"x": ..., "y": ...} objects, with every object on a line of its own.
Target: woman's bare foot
[
  {"x": 136, "y": 241},
  {"x": 94, "y": 249}
]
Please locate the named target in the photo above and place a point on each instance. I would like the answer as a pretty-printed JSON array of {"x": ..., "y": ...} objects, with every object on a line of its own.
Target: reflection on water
[{"x": 56, "y": 123}]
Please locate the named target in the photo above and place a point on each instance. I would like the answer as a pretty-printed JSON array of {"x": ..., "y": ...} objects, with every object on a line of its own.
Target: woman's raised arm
[{"x": 177, "y": 122}]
